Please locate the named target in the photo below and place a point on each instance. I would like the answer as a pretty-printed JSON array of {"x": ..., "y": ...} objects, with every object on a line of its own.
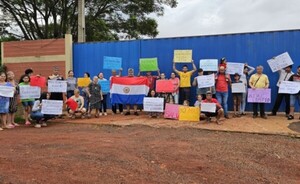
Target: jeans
[
  {"x": 38, "y": 116},
  {"x": 243, "y": 102},
  {"x": 261, "y": 108},
  {"x": 294, "y": 98},
  {"x": 278, "y": 101},
  {"x": 184, "y": 94},
  {"x": 176, "y": 97},
  {"x": 222, "y": 98},
  {"x": 103, "y": 104}
]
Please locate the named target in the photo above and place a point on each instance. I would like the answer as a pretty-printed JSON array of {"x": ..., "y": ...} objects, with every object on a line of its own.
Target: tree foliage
[{"x": 105, "y": 19}]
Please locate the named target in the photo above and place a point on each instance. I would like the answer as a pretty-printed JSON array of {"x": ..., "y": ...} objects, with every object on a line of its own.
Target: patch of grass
[{"x": 19, "y": 119}]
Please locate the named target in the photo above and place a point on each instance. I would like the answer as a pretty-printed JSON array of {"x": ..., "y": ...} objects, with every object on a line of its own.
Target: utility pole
[{"x": 81, "y": 20}]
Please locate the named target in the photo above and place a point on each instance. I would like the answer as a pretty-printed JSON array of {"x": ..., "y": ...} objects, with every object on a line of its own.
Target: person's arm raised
[
  {"x": 194, "y": 67},
  {"x": 174, "y": 68}
]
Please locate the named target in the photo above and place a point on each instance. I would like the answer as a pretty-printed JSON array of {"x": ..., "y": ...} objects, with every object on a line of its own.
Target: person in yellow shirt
[
  {"x": 185, "y": 81},
  {"x": 259, "y": 81}
]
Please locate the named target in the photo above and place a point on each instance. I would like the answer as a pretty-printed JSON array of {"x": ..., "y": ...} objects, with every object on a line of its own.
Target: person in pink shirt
[{"x": 175, "y": 80}]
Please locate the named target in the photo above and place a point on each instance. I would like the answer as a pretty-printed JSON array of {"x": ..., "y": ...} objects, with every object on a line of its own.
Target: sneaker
[
  {"x": 44, "y": 124},
  {"x": 226, "y": 117},
  {"x": 100, "y": 114},
  {"x": 254, "y": 116},
  {"x": 37, "y": 126},
  {"x": 1, "y": 129},
  {"x": 105, "y": 114},
  {"x": 243, "y": 114},
  {"x": 264, "y": 117},
  {"x": 136, "y": 113},
  {"x": 127, "y": 113},
  {"x": 27, "y": 123},
  {"x": 121, "y": 113},
  {"x": 290, "y": 117}
]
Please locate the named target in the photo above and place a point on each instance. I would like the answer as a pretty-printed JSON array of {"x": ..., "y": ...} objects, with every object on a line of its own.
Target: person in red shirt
[
  {"x": 219, "y": 110},
  {"x": 223, "y": 62},
  {"x": 151, "y": 79}
]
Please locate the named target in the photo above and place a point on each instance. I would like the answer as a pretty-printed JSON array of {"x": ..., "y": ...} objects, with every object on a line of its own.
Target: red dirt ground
[{"x": 77, "y": 153}]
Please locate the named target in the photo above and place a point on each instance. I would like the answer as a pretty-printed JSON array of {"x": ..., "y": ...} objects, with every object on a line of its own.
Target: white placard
[
  {"x": 233, "y": 68},
  {"x": 52, "y": 107},
  {"x": 208, "y": 107},
  {"x": 280, "y": 62},
  {"x": 28, "y": 92},
  {"x": 153, "y": 104},
  {"x": 289, "y": 87},
  {"x": 209, "y": 64},
  {"x": 238, "y": 88},
  {"x": 205, "y": 81},
  {"x": 57, "y": 86},
  {"x": 7, "y": 91}
]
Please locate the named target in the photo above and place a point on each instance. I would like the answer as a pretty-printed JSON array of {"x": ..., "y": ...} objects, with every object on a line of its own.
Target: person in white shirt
[{"x": 248, "y": 70}]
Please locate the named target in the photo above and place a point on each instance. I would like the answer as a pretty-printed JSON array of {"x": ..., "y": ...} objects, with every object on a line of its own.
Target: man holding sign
[
  {"x": 294, "y": 97},
  {"x": 218, "y": 111}
]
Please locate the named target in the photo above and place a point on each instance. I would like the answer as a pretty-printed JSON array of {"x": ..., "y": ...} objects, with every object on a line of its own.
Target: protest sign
[
  {"x": 52, "y": 107},
  {"x": 189, "y": 113},
  {"x": 72, "y": 104},
  {"x": 83, "y": 82},
  {"x": 289, "y": 87},
  {"x": 208, "y": 107},
  {"x": 38, "y": 81},
  {"x": 153, "y": 104},
  {"x": 112, "y": 63},
  {"x": 164, "y": 86},
  {"x": 172, "y": 111},
  {"x": 209, "y": 64},
  {"x": 280, "y": 62},
  {"x": 238, "y": 88},
  {"x": 148, "y": 64},
  {"x": 29, "y": 92},
  {"x": 205, "y": 81},
  {"x": 57, "y": 86},
  {"x": 233, "y": 68},
  {"x": 183, "y": 56},
  {"x": 105, "y": 85},
  {"x": 7, "y": 91},
  {"x": 259, "y": 95}
]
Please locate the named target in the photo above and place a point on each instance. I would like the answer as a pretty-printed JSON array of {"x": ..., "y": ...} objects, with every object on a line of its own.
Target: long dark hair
[
  {"x": 2, "y": 72},
  {"x": 21, "y": 78}
]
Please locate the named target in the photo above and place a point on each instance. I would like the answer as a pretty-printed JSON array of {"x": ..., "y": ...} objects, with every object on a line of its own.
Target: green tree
[{"x": 105, "y": 19}]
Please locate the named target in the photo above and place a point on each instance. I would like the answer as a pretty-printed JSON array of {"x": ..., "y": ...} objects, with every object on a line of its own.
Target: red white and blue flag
[{"x": 128, "y": 90}]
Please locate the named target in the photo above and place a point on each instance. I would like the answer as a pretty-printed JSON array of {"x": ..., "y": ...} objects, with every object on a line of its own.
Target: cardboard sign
[
  {"x": 280, "y": 62},
  {"x": 29, "y": 92},
  {"x": 209, "y": 64},
  {"x": 148, "y": 64},
  {"x": 112, "y": 63},
  {"x": 83, "y": 82},
  {"x": 7, "y": 91},
  {"x": 289, "y": 87},
  {"x": 164, "y": 86},
  {"x": 183, "y": 56},
  {"x": 105, "y": 85},
  {"x": 233, "y": 68},
  {"x": 238, "y": 88},
  {"x": 206, "y": 81},
  {"x": 153, "y": 104},
  {"x": 57, "y": 86},
  {"x": 189, "y": 113},
  {"x": 172, "y": 111},
  {"x": 52, "y": 107},
  {"x": 208, "y": 107},
  {"x": 259, "y": 95},
  {"x": 72, "y": 104},
  {"x": 38, "y": 81}
]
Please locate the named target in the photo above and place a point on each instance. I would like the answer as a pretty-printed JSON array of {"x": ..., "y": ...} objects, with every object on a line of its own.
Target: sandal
[
  {"x": 1, "y": 129},
  {"x": 290, "y": 117},
  {"x": 15, "y": 124},
  {"x": 10, "y": 126},
  {"x": 27, "y": 123}
]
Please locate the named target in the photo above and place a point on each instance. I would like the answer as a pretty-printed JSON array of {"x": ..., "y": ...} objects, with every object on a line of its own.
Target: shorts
[
  {"x": 28, "y": 103},
  {"x": 4, "y": 106},
  {"x": 293, "y": 99}
]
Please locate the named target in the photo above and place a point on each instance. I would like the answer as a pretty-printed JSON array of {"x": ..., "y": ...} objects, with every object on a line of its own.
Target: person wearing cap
[
  {"x": 284, "y": 75},
  {"x": 237, "y": 97},
  {"x": 294, "y": 97},
  {"x": 248, "y": 70},
  {"x": 219, "y": 110},
  {"x": 223, "y": 62},
  {"x": 200, "y": 91}
]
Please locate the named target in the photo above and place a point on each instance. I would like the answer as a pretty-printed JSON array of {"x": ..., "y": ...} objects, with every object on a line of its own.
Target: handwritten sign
[
  {"x": 289, "y": 87},
  {"x": 280, "y": 62},
  {"x": 171, "y": 111},
  {"x": 164, "y": 86},
  {"x": 153, "y": 104},
  {"x": 233, "y": 68},
  {"x": 209, "y": 64},
  {"x": 208, "y": 107},
  {"x": 189, "y": 113},
  {"x": 105, "y": 85},
  {"x": 148, "y": 64},
  {"x": 38, "y": 81},
  {"x": 112, "y": 63},
  {"x": 259, "y": 95},
  {"x": 57, "y": 86},
  {"x": 7, "y": 91},
  {"x": 183, "y": 56},
  {"x": 238, "y": 88},
  {"x": 30, "y": 92},
  {"x": 205, "y": 81},
  {"x": 83, "y": 82},
  {"x": 52, "y": 107}
]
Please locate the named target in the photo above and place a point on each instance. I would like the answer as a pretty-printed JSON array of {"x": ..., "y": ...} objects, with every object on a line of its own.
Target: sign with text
[
  {"x": 208, "y": 107},
  {"x": 233, "y": 68},
  {"x": 7, "y": 91},
  {"x": 148, "y": 64},
  {"x": 112, "y": 63},
  {"x": 238, "y": 88},
  {"x": 183, "y": 56},
  {"x": 171, "y": 111},
  {"x": 29, "y": 92},
  {"x": 83, "y": 82},
  {"x": 164, "y": 86},
  {"x": 205, "y": 81},
  {"x": 153, "y": 104},
  {"x": 105, "y": 85},
  {"x": 189, "y": 113},
  {"x": 57, "y": 86},
  {"x": 52, "y": 107},
  {"x": 289, "y": 87},
  {"x": 280, "y": 62},
  {"x": 209, "y": 64},
  {"x": 259, "y": 95},
  {"x": 38, "y": 81}
]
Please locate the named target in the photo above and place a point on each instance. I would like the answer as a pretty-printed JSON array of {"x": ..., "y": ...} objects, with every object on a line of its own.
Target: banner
[
  {"x": 280, "y": 62},
  {"x": 183, "y": 56},
  {"x": 30, "y": 92},
  {"x": 153, "y": 104},
  {"x": 57, "y": 86},
  {"x": 205, "y": 81},
  {"x": 112, "y": 63},
  {"x": 38, "y": 81},
  {"x": 259, "y": 95},
  {"x": 289, "y": 87},
  {"x": 164, "y": 86},
  {"x": 52, "y": 107},
  {"x": 105, "y": 85},
  {"x": 148, "y": 64},
  {"x": 171, "y": 111},
  {"x": 208, "y": 107},
  {"x": 83, "y": 82},
  {"x": 238, "y": 88},
  {"x": 209, "y": 64},
  {"x": 7, "y": 91},
  {"x": 233, "y": 68},
  {"x": 189, "y": 113}
]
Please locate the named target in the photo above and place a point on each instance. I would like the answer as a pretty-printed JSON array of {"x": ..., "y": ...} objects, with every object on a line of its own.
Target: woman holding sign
[
  {"x": 176, "y": 82},
  {"x": 4, "y": 102},
  {"x": 103, "y": 105},
  {"x": 27, "y": 103},
  {"x": 13, "y": 101}
]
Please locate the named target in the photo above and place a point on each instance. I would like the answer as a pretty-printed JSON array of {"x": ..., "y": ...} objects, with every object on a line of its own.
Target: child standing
[
  {"x": 27, "y": 103},
  {"x": 153, "y": 94},
  {"x": 237, "y": 97}
]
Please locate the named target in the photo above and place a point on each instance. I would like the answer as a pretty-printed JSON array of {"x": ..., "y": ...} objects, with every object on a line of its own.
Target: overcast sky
[{"x": 203, "y": 17}]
